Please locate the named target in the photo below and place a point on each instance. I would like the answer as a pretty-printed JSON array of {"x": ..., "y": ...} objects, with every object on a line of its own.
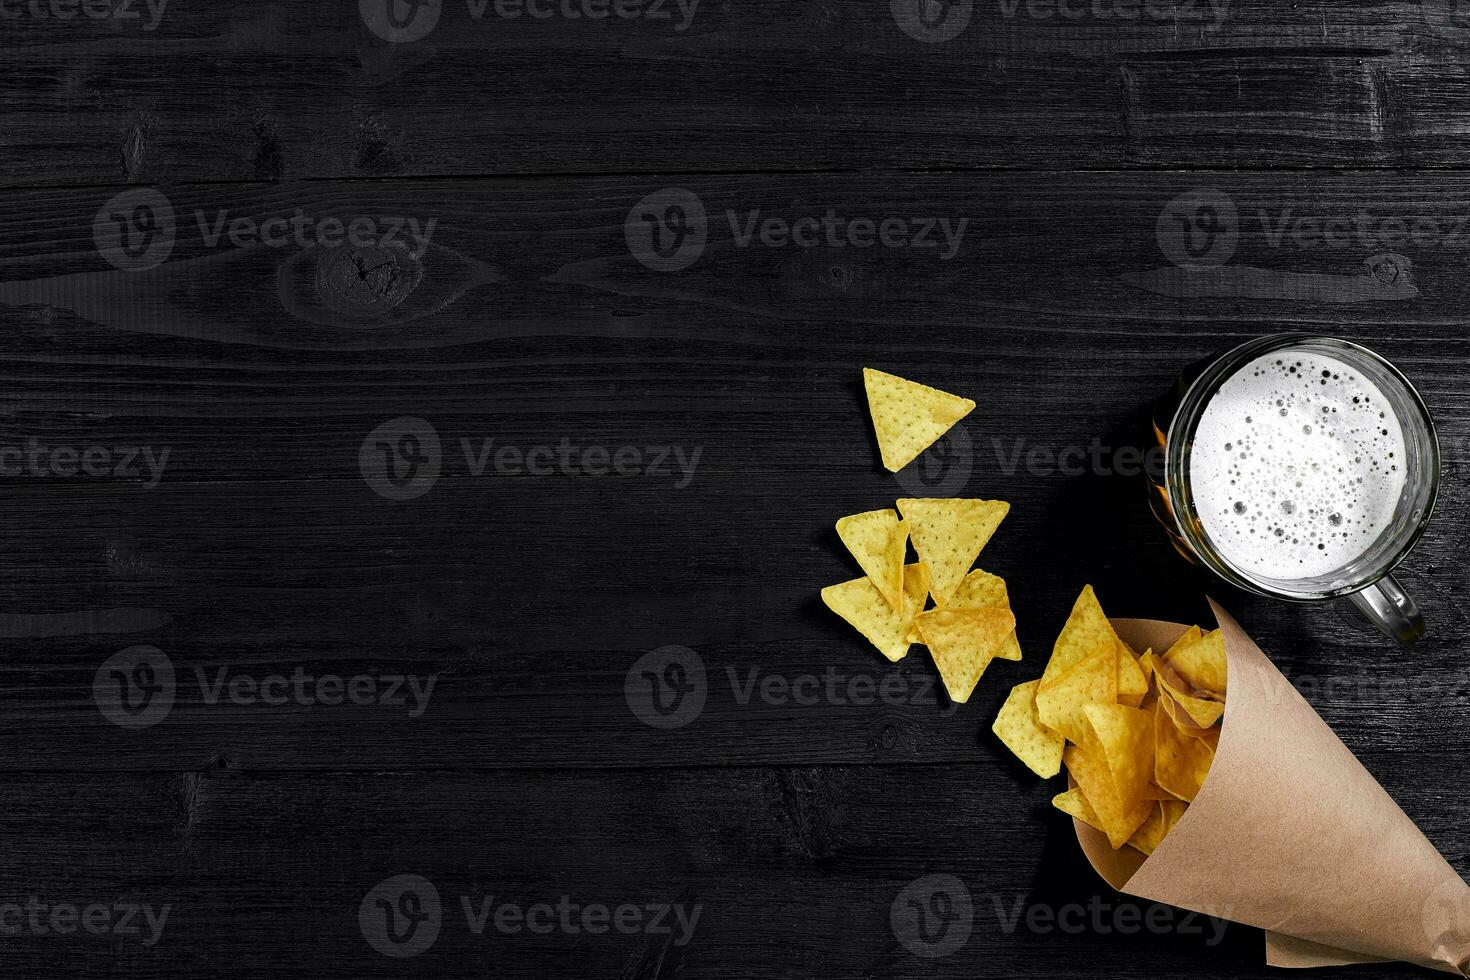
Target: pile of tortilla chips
[
  {"x": 1138, "y": 734},
  {"x": 971, "y": 623}
]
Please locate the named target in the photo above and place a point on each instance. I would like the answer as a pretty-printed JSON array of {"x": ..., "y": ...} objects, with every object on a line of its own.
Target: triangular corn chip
[
  {"x": 981, "y": 590},
  {"x": 1093, "y": 681},
  {"x": 1096, "y": 782},
  {"x": 1180, "y": 717},
  {"x": 860, "y": 603},
  {"x": 1201, "y": 664},
  {"x": 1074, "y": 804},
  {"x": 963, "y": 642},
  {"x": 1087, "y": 630},
  {"x": 909, "y": 417},
  {"x": 1201, "y": 711},
  {"x": 1151, "y": 834},
  {"x": 1173, "y": 811},
  {"x": 948, "y": 533},
  {"x": 1132, "y": 681},
  {"x": 1023, "y": 733},
  {"x": 1124, "y": 738},
  {"x": 1181, "y": 762},
  {"x": 878, "y": 540}
]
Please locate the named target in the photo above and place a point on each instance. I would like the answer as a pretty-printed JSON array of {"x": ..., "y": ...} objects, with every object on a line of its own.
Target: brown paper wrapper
[{"x": 1292, "y": 835}]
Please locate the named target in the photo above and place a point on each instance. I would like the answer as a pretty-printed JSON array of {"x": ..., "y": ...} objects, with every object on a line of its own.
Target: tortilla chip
[
  {"x": 1132, "y": 680},
  {"x": 981, "y": 590},
  {"x": 860, "y": 603},
  {"x": 1092, "y": 777},
  {"x": 948, "y": 533},
  {"x": 1124, "y": 738},
  {"x": 1202, "y": 712},
  {"x": 1021, "y": 730},
  {"x": 1181, "y": 762},
  {"x": 962, "y": 643},
  {"x": 909, "y": 417},
  {"x": 1174, "y": 811},
  {"x": 878, "y": 540},
  {"x": 1087, "y": 630},
  {"x": 1201, "y": 665},
  {"x": 1074, "y": 804},
  {"x": 1151, "y": 834},
  {"x": 1093, "y": 681}
]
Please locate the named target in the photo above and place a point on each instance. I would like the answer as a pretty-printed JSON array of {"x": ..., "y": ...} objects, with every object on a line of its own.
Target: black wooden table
[{"x": 393, "y": 394}]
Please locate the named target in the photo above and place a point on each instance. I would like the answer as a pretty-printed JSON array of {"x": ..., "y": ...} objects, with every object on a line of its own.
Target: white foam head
[{"x": 1297, "y": 466}]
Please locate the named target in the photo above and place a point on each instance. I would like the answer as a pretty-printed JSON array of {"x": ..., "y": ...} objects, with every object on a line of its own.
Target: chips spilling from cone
[
  {"x": 1136, "y": 733},
  {"x": 970, "y": 624}
]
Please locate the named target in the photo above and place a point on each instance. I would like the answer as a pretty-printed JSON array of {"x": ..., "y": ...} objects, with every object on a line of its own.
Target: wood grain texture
[
  {"x": 528, "y": 594},
  {"x": 242, "y": 90},
  {"x": 780, "y": 871},
  {"x": 459, "y": 686}
]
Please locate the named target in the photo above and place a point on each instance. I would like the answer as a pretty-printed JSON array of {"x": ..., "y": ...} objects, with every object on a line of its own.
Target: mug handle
[{"x": 1387, "y": 606}]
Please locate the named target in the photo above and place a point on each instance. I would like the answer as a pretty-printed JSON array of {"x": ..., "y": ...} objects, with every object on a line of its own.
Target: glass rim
[{"x": 1180, "y": 439}]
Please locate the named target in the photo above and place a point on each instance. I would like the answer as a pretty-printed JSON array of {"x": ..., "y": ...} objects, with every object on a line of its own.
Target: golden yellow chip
[
  {"x": 1021, "y": 730},
  {"x": 909, "y": 417},
  {"x": 1201, "y": 664},
  {"x": 948, "y": 533},
  {"x": 1124, "y": 737},
  {"x": 1173, "y": 811},
  {"x": 878, "y": 540},
  {"x": 1180, "y": 717},
  {"x": 963, "y": 642},
  {"x": 1093, "y": 681},
  {"x": 1118, "y": 821},
  {"x": 1202, "y": 712},
  {"x": 981, "y": 590},
  {"x": 1151, "y": 834},
  {"x": 860, "y": 603},
  {"x": 1181, "y": 762},
  {"x": 1132, "y": 681},
  {"x": 1087, "y": 631},
  {"x": 1074, "y": 804}
]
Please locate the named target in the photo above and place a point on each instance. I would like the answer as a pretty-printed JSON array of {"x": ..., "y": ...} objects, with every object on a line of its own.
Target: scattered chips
[
  {"x": 972, "y": 623},
  {"x": 909, "y": 417},
  {"x": 948, "y": 534},
  {"x": 1137, "y": 735},
  {"x": 879, "y": 541}
]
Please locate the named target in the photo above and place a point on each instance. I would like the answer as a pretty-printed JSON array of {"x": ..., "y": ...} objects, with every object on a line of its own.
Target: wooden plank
[
  {"x": 777, "y": 871},
  {"x": 262, "y": 547},
  {"x": 245, "y": 91}
]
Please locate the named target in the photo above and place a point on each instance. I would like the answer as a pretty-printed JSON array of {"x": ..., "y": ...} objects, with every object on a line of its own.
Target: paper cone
[{"x": 1292, "y": 835}]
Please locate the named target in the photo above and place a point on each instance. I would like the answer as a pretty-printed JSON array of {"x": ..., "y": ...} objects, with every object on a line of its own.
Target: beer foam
[{"x": 1297, "y": 466}]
